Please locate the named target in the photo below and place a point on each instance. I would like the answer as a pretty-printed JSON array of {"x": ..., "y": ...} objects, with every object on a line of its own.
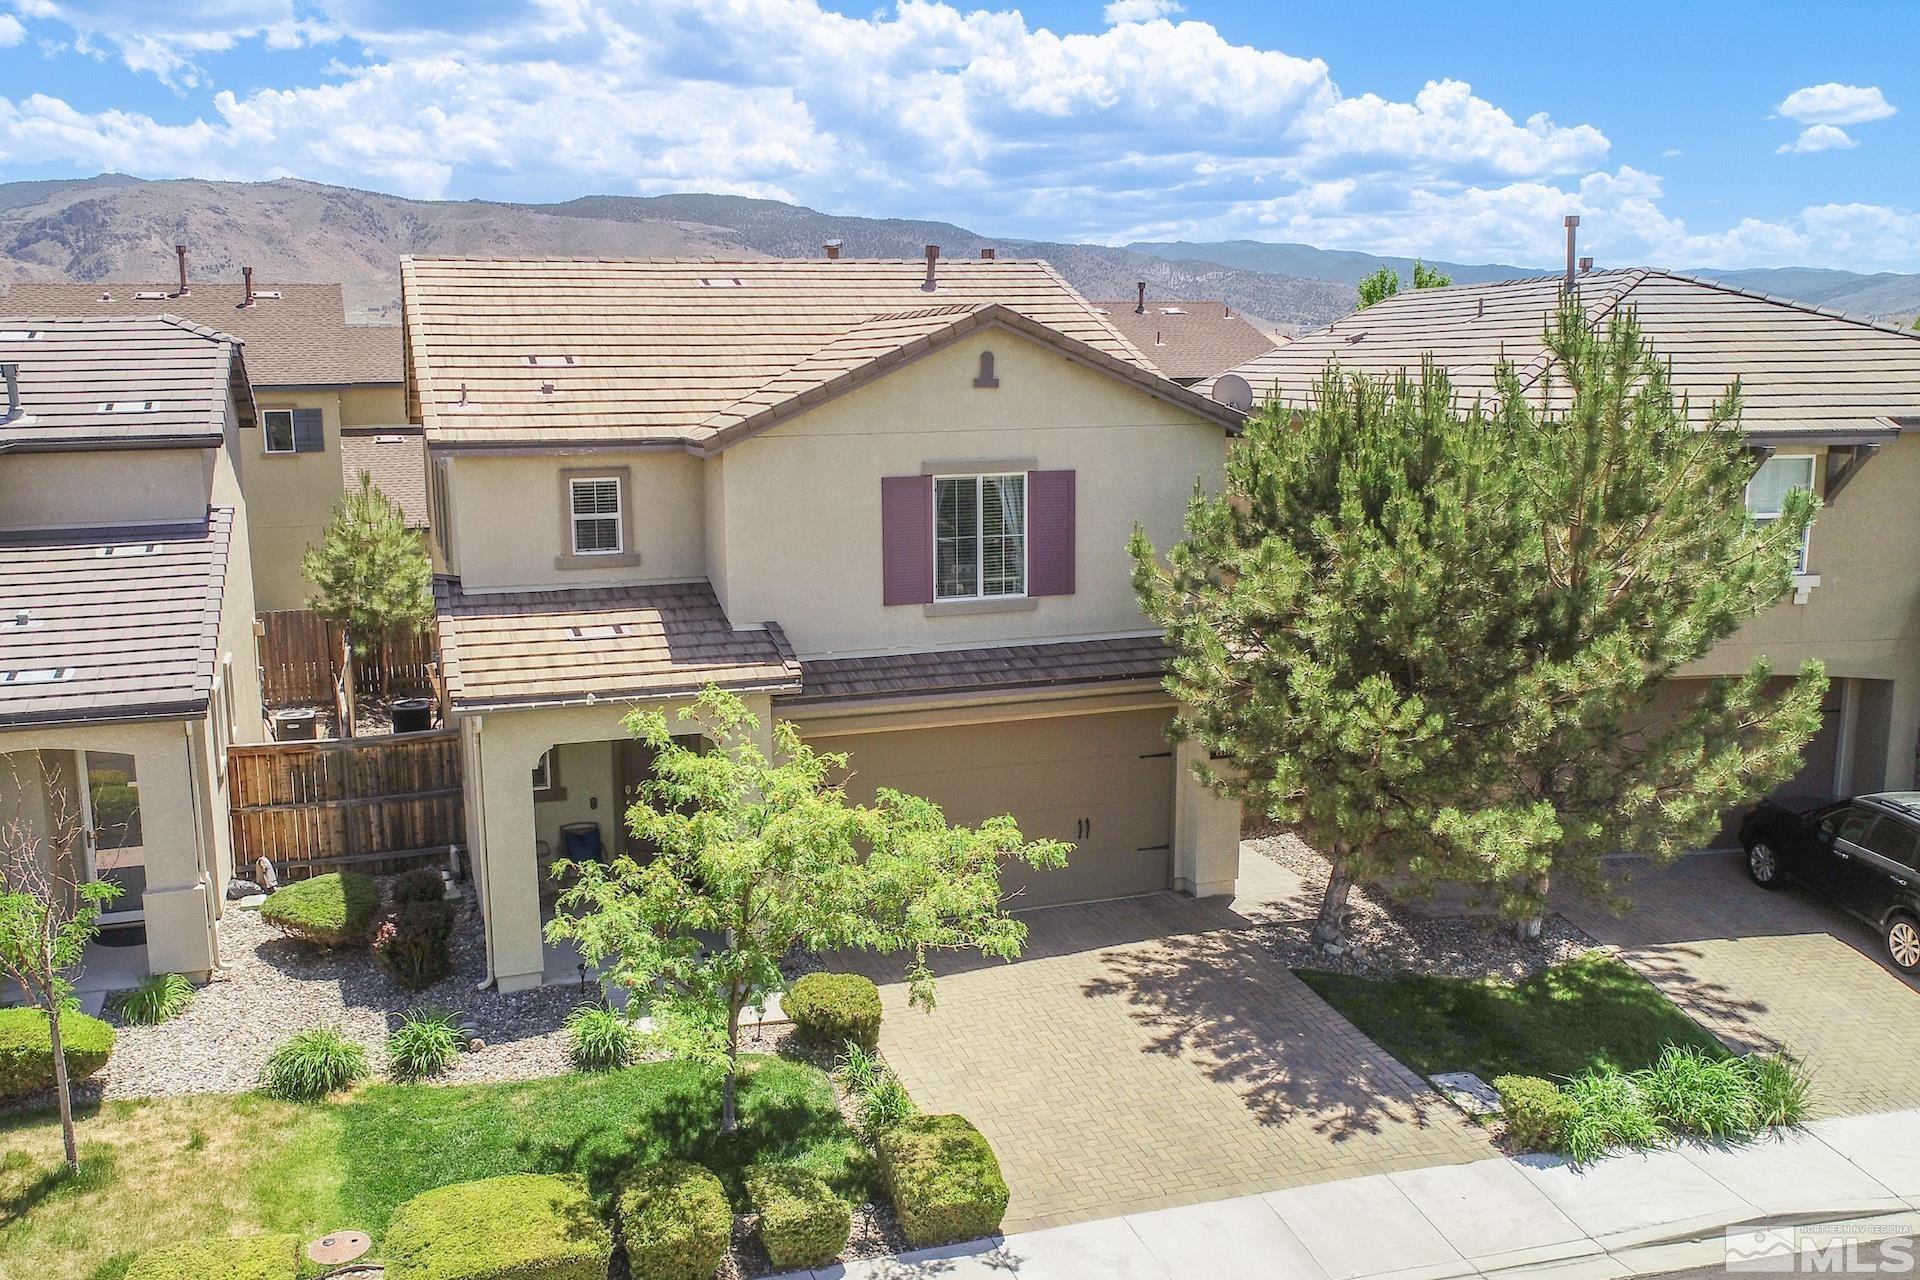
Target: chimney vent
[
  {"x": 1573, "y": 230},
  {"x": 180, "y": 252},
  {"x": 933, "y": 256},
  {"x": 1586, "y": 265},
  {"x": 986, "y": 255},
  {"x": 833, "y": 250},
  {"x": 1140, "y": 304},
  {"x": 11, "y": 372},
  {"x": 246, "y": 274}
]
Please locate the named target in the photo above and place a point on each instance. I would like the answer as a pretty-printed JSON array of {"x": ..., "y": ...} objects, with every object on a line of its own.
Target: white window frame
[
  {"x": 617, "y": 515},
  {"x": 980, "y": 538},
  {"x": 266, "y": 434},
  {"x": 1768, "y": 517}
]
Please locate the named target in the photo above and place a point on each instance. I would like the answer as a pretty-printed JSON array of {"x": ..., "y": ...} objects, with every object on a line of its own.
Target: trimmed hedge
[
  {"x": 829, "y": 1009},
  {"x": 229, "y": 1257},
  {"x": 943, "y": 1179},
  {"x": 334, "y": 910},
  {"x": 802, "y": 1223},
  {"x": 26, "y": 1049},
  {"x": 422, "y": 884},
  {"x": 1535, "y": 1110},
  {"x": 676, "y": 1222},
  {"x": 414, "y": 943},
  {"x": 521, "y": 1227}
]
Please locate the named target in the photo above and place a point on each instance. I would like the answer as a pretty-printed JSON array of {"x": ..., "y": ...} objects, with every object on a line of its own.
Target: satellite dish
[{"x": 1231, "y": 390}]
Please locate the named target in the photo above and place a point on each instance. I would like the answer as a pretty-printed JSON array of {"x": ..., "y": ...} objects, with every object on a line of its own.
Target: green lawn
[
  {"x": 1584, "y": 1013},
  {"x": 159, "y": 1168}
]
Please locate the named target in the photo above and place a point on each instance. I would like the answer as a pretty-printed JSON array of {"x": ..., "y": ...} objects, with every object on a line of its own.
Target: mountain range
[{"x": 123, "y": 229}]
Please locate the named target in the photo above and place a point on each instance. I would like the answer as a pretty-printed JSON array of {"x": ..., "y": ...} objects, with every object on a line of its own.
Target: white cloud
[
  {"x": 1140, "y": 10},
  {"x": 1818, "y": 137},
  {"x": 12, "y": 32},
  {"x": 1835, "y": 104},
  {"x": 1672, "y": 153}
]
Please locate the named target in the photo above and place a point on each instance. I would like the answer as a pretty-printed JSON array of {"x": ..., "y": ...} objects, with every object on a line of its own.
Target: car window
[
  {"x": 1894, "y": 839},
  {"x": 1850, "y": 824}
]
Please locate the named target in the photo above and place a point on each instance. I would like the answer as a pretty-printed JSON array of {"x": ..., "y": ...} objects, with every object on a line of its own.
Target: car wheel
[
  {"x": 1903, "y": 942},
  {"x": 1763, "y": 865}
]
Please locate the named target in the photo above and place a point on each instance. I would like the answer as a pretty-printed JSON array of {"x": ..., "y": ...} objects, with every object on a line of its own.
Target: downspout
[
  {"x": 477, "y": 852},
  {"x": 202, "y": 833}
]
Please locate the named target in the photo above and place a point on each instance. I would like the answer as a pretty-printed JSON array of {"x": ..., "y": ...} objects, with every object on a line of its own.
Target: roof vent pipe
[
  {"x": 180, "y": 252},
  {"x": 246, "y": 274},
  {"x": 11, "y": 372},
  {"x": 933, "y": 256},
  {"x": 1573, "y": 229},
  {"x": 1140, "y": 292},
  {"x": 833, "y": 250}
]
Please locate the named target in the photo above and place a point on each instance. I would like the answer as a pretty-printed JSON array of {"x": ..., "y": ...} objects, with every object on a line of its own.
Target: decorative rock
[
  {"x": 1468, "y": 1092},
  {"x": 264, "y": 873},
  {"x": 238, "y": 889}
]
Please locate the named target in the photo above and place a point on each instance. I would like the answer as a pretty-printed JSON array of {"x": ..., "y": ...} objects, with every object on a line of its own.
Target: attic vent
[
  {"x": 390, "y": 439},
  {"x": 126, "y": 406},
  {"x": 542, "y": 362},
  {"x": 722, "y": 282},
  {"x": 146, "y": 295},
  {"x": 1173, "y": 311},
  {"x": 599, "y": 631},
  {"x": 1101, "y": 311},
  {"x": 18, "y": 335},
  {"x": 20, "y": 621},
  {"x": 265, "y": 293},
  {"x": 1356, "y": 337},
  {"x": 123, "y": 550},
  {"x": 35, "y": 675}
]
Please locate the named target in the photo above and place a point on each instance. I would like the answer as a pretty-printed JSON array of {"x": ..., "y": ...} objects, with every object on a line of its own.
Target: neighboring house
[
  {"x": 886, "y": 501},
  {"x": 1833, "y": 402},
  {"x": 322, "y": 385},
  {"x": 127, "y": 659},
  {"x": 1187, "y": 340}
]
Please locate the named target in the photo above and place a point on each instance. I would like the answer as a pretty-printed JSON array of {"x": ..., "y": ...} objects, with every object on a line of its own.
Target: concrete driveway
[
  {"x": 1151, "y": 1052},
  {"x": 1765, "y": 970}
]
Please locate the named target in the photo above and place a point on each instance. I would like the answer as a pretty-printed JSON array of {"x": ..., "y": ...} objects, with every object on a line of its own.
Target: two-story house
[
  {"x": 127, "y": 659},
  {"x": 887, "y": 501},
  {"x": 330, "y": 403},
  {"x": 1833, "y": 404}
]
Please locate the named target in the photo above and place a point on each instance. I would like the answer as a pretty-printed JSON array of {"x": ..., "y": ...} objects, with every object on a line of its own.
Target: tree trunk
[
  {"x": 1529, "y": 927},
  {"x": 1330, "y": 928},
  {"x": 729, "y": 1115},
  {"x": 61, "y": 1087}
]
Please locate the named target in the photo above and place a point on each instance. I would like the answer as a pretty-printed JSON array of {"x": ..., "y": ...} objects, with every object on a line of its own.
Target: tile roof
[
  {"x": 397, "y": 461},
  {"x": 998, "y": 667},
  {"x": 1804, "y": 371},
  {"x": 105, "y": 382},
  {"x": 299, "y": 339},
  {"x": 1188, "y": 340},
  {"x": 120, "y": 623},
  {"x": 678, "y": 351},
  {"x": 594, "y": 644}
]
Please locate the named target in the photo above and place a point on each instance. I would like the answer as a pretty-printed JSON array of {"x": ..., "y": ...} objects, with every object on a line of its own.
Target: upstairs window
[
  {"x": 293, "y": 430},
  {"x": 596, "y": 515},
  {"x": 980, "y": 536},
  {"x": 278, "y": 426},
  {"x": 1767, "y": 492}
]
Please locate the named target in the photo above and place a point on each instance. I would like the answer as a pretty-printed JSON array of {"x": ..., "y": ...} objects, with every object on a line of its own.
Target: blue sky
[{"x": 1685, "y": 134}]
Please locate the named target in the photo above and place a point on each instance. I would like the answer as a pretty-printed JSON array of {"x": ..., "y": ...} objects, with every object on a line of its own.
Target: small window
[
  {"x": 543, "y": 772},
  {"x": 1767, "y": 492},
  {"x": 980, "y": 537},
  {"x": 277, "y": 424},
  {"x": 596, "y": 515}
]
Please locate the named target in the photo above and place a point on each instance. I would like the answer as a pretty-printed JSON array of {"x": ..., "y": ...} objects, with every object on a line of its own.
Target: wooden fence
[
  {"x": 378, "y": 805},
  {"x": 300, "y": 663}
]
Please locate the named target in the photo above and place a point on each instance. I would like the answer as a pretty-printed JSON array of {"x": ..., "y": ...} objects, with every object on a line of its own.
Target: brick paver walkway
[
  {"x": 1151, "y": 1052},
  {"x": 1765, "y": 970}
]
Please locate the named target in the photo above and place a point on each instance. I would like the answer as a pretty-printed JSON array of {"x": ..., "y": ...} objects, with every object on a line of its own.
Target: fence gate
[{"x": 378, "y": 805}]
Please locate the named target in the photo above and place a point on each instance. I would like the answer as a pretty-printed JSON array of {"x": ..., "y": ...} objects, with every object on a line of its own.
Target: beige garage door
[{"x": 1102, "y": 782}]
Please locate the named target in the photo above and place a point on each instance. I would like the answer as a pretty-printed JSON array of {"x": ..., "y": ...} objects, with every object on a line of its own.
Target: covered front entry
[{"x": 1104, "y": 783}]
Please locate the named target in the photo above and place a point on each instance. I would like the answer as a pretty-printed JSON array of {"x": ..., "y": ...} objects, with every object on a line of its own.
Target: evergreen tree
[
  {"x": 1385, "y": 282},
  {"x": 1434, "y": 639},
  {"x": 369, "y": 571}
]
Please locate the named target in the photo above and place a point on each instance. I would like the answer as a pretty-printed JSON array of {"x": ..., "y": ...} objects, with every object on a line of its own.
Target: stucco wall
[
  {"x": 108, "y": 487},
  {"x": 372, "y": 406},
  {"x": 290, "y": 497}
]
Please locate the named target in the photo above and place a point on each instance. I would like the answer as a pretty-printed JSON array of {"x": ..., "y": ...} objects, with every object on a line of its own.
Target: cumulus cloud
[
  {"x": 1819, "y": 137},
  {"x": 1140, "y": 10},
  {"x": 1835, "y": 104}
]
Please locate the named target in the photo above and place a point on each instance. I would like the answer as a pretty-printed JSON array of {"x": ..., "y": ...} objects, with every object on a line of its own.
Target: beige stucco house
[
  {"x": 886, "y": 501},
  {"x": 127, "y": 662},
  {"x": 1832, "y": 402},
  {"x": 329, "y": 398}
]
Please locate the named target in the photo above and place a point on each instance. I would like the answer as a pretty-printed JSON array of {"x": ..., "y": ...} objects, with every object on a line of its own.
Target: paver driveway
[
  {"x": 1763, "y": 970},
  {"x": 1151, "y": 1052}
]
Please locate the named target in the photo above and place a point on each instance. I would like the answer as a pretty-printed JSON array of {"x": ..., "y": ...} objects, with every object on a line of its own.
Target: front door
[
  {"x": 632, "y": 768},
  {"x": 116, "y": 849}
]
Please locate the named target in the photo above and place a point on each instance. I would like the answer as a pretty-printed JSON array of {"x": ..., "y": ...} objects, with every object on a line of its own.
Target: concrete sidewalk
[{"x": 1630, "y": 1214}]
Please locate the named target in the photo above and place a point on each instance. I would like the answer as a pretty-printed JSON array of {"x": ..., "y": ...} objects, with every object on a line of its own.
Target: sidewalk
[{"x": 1627, "y": 1215}]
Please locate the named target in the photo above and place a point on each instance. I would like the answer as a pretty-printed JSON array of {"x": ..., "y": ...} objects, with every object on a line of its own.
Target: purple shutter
[
  {"x": 1049, "y": 533},
  {"x": 906, "y": 538}
]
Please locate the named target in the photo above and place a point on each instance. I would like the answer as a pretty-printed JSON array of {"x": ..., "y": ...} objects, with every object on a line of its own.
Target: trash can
[
  {"x": 297, "y": 724},
  {"x": 412, "y": 715}
]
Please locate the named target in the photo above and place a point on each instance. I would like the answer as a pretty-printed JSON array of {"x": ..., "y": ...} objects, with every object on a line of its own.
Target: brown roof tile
[
  {"x": 398, "y": 464},
  {"x": 998, "y": 667},
  {"x": 1187, "y": 340},
  {"x": 103, "y": 382}
]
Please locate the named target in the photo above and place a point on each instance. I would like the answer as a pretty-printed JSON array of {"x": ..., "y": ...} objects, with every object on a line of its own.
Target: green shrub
[
  {"x": 599, "y": 1038},
  {"x": 802, "y": 1223},
  {"x": 676, "y": 1222},
  {"x": 334, "y": 910},
  {"x": 1691, "y": 1091},
  {"x": 424, "y": 1044},
  {"x": 1535, "y": 1110},
  {"x": 312, "y": 1065},
  {"x": 886, "y": 1104},
  {"x": 832, "y": 1009},
  {"x": 1780, "y": 1089},
  {"x": 423, "y": 884},
  {"x": 521, "y": 1227},
  {"x": 1608, "y": 1110},
  {"x": 943, "y": 1179},
  {"x": 155, "y": 1000},
  {"x": 859, "y": 1069},
  {"x": 227, "y": 1257},
  {"x": 26, "y": 1050},
  {"x": 414, "y": 943}
]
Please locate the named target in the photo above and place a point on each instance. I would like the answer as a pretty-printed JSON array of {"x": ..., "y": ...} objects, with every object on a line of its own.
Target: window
[
  {"x": 277, "y": 426},
  {"x": 980, "y": 536},
  {"x": 544, "y": 780},
  {"x": 1850, "y": 824},
  {"x": 1894, "y": 840},
  {"x": 1767, "y": 491},
  {"x": 596, "y": 515}
]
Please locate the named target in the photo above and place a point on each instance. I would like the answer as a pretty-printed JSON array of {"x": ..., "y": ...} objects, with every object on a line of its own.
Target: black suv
[{"x": 1863, "y": 853}]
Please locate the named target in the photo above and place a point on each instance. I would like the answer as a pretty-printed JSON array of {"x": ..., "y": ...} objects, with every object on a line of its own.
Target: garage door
[{"x": 1102, "y": 782}]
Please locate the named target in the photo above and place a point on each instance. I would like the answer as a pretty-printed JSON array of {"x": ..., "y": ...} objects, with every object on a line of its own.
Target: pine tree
[
  {"x": 1433, "y": 639},
  {"x": 369, "y": 571}
]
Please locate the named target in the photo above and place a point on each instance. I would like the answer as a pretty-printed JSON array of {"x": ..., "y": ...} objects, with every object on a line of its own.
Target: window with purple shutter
[
  {"x": 906, "y": 539},
  {"x": 1050, "y": 520}
]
